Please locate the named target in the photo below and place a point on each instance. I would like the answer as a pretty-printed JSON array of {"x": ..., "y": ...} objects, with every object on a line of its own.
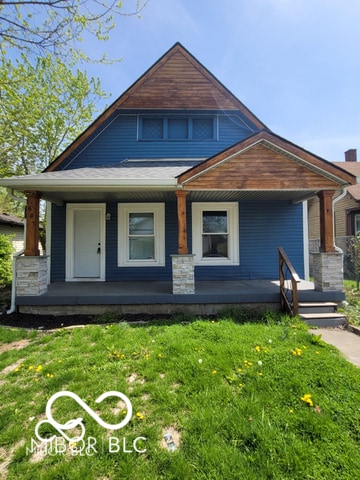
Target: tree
[
  {"x": 59, "y": 26},
  {"x": 43, "y": 108}
]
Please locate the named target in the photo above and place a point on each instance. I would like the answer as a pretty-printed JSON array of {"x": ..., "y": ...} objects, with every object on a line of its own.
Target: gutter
[
  {"x": 335, "y": 200},
  {"x": 12, "y": 308}
]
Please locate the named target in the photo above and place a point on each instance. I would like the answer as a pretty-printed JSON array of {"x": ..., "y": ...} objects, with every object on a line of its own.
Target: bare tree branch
[{"x": 58, "y": 26}]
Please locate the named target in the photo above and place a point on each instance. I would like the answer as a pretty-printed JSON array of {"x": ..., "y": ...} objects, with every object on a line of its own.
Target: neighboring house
[
  {"x": 13, "y": 226},
  {"x": 346, "y": 215},
  {"x": 346, "y": 204},
  {"x": 176, "y": 182}
]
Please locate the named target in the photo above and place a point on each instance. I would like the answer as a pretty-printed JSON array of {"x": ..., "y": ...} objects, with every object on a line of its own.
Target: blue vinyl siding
[
  {"x": 263, "y": 227},
  {"x": 58, "y": 228},
  {"x": 115, "y": 273},
  {"x": 119, "y": 140}
]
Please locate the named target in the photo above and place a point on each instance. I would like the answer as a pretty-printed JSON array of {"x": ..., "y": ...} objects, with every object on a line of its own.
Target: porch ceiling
[{"x": 60, "y": 197}]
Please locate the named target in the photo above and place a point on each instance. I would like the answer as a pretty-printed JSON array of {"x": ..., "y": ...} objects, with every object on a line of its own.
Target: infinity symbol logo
[{"x": 60, "y": 427}]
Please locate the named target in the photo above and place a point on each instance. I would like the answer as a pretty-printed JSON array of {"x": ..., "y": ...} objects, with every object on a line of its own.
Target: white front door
[{"x": 85, "y": 242}]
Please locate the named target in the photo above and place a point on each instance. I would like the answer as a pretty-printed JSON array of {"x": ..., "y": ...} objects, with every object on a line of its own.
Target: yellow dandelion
[
  {"x": 257, "y": 348},
  {"x": 307, "y": 399},
  {"x": 214, "y": 372}
]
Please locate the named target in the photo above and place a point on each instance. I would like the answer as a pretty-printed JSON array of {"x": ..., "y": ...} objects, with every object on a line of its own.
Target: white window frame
[
  {"x": 124, "y": 210},
  {"x": 232, "y": 209}
]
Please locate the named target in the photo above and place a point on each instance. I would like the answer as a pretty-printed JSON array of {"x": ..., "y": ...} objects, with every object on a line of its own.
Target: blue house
[{"x": 180, "y": 192}]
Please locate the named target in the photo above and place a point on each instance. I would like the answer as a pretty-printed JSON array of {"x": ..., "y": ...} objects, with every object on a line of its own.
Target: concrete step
[
  {"x": 324, "y": 319},
  {"x": 317, "y": 307}
]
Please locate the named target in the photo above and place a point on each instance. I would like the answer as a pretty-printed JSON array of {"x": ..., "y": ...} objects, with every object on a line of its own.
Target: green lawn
[{"x": 241, "y": 401}]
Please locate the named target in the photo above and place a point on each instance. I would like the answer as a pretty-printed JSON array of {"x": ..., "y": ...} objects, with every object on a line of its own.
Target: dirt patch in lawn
[{"x": 17, "y": 345}]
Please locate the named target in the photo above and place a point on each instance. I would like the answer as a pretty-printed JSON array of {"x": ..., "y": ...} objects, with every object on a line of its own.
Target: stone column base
[
  {"x": 328, "y": 271},
  {"x": 183, "y": 274},
  {"x": 31, "y": 275}
]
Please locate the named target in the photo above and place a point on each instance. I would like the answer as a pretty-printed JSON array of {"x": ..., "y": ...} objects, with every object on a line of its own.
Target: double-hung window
[
  {"x": 141, "y": 236},
  {"x": 215, "y": 232}
]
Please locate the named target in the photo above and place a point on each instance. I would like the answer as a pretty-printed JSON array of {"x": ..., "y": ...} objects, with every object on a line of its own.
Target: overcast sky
[{"x": 294, "y": 63}]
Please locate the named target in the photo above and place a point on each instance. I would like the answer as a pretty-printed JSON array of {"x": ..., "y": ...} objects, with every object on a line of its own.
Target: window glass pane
[
  {"x": 152, "y": 128},
  {"x": 178, "y": 128},
  {"x": 215, "y": 222},
  {"x": 141, "y": 223},
  {"x": 203, "y": 129},
  {"x": 357, "y": 224},
  {"x": 141, "y": 248},
  {"x": 215, "y": 245}
]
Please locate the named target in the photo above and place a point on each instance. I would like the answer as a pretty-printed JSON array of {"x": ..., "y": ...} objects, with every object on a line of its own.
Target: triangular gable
[
  {"x": 176, "y": 81},
  {"x": 179, "y": 81},
  {"x": 265, "y": 161}
]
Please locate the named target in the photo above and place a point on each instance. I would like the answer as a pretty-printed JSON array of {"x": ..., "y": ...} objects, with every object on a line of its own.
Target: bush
[{"x": 6, "y": 250}]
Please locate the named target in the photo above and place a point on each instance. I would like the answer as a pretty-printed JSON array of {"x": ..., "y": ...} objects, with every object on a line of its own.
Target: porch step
[
  {"x": 318, "y": 307},
  {"x": 321, "y": 314},
  {"x": 324, "y": 319}
]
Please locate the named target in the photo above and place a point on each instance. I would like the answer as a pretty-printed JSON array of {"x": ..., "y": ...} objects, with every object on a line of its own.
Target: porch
[{"x": 133, "y": 298}]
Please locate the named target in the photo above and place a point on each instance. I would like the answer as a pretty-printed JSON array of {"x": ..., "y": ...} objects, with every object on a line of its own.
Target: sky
[{"x": 294, "y": 63}]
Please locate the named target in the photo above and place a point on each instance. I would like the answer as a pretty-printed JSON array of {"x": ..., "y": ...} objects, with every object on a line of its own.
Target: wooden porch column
[
  {"x": 32, "y": 224},
  {"x": 181, "y": 213},
  {"x": 327, "y": 243}
]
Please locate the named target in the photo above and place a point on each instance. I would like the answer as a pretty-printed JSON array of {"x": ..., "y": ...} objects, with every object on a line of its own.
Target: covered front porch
[{"x": 133, "y": 298}]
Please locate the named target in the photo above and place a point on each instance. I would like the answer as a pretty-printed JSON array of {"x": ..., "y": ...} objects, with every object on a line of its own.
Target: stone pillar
[
  {"x": 183, "y": 274},
  {"x": 328, "y": 271},
  {"x": 31, "y": 275}
]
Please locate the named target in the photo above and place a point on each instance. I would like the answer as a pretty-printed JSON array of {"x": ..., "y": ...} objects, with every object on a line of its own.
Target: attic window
[{"x": 177, "y": 128}]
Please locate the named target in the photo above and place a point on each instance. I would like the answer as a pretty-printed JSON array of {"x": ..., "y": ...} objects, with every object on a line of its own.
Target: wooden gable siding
[
  {"x": 179, "y": 81},
  {"x": 176, "y": 81},
  {"x": 258, "y": 168},
  {"x": 120, "y": 141}
]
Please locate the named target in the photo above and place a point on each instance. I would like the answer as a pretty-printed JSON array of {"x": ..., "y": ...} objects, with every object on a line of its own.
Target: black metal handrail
[{"x": 289, "y": 299}]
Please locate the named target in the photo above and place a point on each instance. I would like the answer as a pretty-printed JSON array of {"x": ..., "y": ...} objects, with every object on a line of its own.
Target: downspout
[
  {"x": 335, "y": 200},
  {"x": 12, "y": 308}
]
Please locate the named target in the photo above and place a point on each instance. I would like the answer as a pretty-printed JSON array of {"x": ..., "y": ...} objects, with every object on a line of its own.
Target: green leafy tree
[
  {"x": 6, "y": 250},
  {"x": 43, "y": 108},
  {"x": 354, "y": 254},
  {"x": 59, "y": 26}
]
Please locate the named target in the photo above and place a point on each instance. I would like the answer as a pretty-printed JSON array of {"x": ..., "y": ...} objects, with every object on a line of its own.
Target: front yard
[{"x": 211, "y": 400}]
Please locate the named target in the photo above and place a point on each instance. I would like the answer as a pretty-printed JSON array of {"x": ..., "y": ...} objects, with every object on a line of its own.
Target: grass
[{"x": 262, "y": 400}]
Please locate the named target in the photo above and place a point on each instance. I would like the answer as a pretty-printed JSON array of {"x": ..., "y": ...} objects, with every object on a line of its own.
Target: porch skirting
[{"x": 156, "y": 298}]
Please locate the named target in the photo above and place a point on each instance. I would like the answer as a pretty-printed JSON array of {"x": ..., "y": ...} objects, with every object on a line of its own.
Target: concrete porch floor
[{"x": 157, "y": 297}]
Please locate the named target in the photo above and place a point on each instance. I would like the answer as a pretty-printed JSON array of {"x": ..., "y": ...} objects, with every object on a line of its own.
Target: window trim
[
  {"x": 158, "y": 210},
  {"x": 232, "y": 209}
]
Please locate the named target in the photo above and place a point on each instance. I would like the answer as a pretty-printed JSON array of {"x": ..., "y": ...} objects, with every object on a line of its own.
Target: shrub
[{"x": 6, "y": 250}]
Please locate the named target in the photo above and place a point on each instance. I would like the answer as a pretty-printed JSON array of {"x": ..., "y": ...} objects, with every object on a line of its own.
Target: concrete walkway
[{"x": 346, "y": 341}]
